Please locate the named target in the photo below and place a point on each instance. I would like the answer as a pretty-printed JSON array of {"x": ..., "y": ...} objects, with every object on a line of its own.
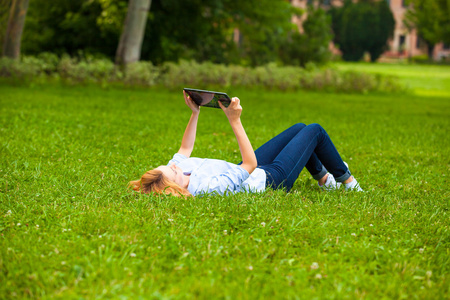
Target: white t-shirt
[{"x": 218, "y": 176}]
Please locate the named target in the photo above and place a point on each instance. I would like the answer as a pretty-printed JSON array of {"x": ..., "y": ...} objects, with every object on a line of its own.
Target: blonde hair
[{"x": 154, "y": 181}]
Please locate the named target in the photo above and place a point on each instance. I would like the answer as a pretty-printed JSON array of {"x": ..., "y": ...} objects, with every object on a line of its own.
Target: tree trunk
[
  {"x": 430, "y": 51},
  {"x": 16, "y": 22},
  {"x": 130, "y": 44}
]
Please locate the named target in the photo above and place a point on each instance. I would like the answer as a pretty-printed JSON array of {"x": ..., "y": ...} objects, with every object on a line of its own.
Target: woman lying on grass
[{"x": 276, "y": 164}]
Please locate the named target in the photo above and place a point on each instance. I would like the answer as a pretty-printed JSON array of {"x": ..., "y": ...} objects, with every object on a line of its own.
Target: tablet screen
[{"x": 208, "y": 98}]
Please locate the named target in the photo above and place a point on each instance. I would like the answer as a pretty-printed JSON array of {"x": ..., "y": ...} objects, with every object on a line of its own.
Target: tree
[
  {"x": 75, "y": 27},
  {"x": 263, "y": 24},
  {"x": 129, "y": 49},
  {"x": 363, "y": 26},
  {"x": 4, "y": 14},
  {"x": 200, "y": 30},
  {"x": 313, "y": 44},
  {"x": 203, "y": 30},
  {"x": 432, "y": 20},
  {"x": 351, "y": 32},
  {"x": 16, "y": 22},
  {"x": 381, "y": 25}
]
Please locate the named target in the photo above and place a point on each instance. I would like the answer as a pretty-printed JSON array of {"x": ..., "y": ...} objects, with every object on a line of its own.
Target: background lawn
[
  {"x": 424, "y": 80},
  {"x": 70, "y": 228}
]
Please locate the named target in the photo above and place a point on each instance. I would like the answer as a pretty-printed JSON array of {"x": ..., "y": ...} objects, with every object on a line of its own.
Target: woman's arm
[
  {"x": 188, "y": 141},
  {"x": 233, "y": 113}
]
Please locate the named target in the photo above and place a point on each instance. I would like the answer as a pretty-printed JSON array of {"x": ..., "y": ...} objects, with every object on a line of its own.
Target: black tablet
[{"x": 208, "y": 98}]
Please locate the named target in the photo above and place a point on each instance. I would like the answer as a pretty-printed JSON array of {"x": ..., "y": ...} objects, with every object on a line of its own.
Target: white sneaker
[
  {"x": 353, "y": 186},
  {"x": 330, "y": 184}
]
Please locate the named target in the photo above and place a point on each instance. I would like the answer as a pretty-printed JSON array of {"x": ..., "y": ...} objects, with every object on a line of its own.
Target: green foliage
[
  {"x": 70, "y": 229},
  {"x": 191, "y": 73},
  {"x": 313, "y": 44},
  {"x": 204, "y": 31},
  {"x": 381, "y": 23},
  {"x": 421, "y": 59},
  {"x": 362, "y": 26},
  {"x": 69, "y": 27},
  {"x": 194, "y": 74},
  {"x": 348, "y": 33},
  {"x": 86, "y": 70},
  {"x": 432, "y": 20},
  {"x": 263, "y": 26},
  {"x": 27, "y": 69},
  {"x": 141, "y": 73},
  {"x": 199, "y": 30},
  {"x": 349, "y": 82}
]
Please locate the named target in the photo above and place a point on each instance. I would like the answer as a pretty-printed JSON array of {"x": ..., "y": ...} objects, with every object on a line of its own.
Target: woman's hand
[
  {"x": 187, "y": 143},
  {"x": 189, "y": 102},
  {"x": 234, "y": 110}
]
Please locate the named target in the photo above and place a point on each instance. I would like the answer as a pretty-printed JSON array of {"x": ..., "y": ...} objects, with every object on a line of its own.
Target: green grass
[
  {"x": 67, "y": 154},
  {"x": 423, "y": 80}
]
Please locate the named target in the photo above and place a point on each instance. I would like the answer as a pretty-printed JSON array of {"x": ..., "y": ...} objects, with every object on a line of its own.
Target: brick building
[{"x": 405, "y": 43}]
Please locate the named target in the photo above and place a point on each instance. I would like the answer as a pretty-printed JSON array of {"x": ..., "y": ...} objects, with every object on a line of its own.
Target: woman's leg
[
  {"x": 287, "y": 165},
  {"x": 272, "y": 148}
]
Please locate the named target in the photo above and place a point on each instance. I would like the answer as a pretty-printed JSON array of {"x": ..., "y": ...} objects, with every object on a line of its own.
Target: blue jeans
[{"x": 284, "y": 156}]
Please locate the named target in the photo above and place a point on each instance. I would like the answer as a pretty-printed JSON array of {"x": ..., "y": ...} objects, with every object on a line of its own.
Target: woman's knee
[
  {"x": 315, "y": 126},
  {"x": 299, "y": 126}
]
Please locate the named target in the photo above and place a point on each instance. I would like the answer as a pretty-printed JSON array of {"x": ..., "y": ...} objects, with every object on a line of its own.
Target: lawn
[
  {"x": 424, "y": 80},
  {"x": 70, "y": 228}
]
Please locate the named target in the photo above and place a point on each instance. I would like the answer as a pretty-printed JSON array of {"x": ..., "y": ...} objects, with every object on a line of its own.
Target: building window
[
  {"x": 404, "y": 4},
  {"x": 309, "y": 2},
  {"x": 446, "y": 46},
  {"x": 326, "y": 2}
]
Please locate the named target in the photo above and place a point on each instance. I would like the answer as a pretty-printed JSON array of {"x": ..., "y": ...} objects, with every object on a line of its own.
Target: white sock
[{"x": 330, "y": 183}]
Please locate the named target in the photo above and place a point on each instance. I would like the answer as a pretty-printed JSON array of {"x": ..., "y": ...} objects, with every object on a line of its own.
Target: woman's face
[{"x": 173, "y": 173}]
